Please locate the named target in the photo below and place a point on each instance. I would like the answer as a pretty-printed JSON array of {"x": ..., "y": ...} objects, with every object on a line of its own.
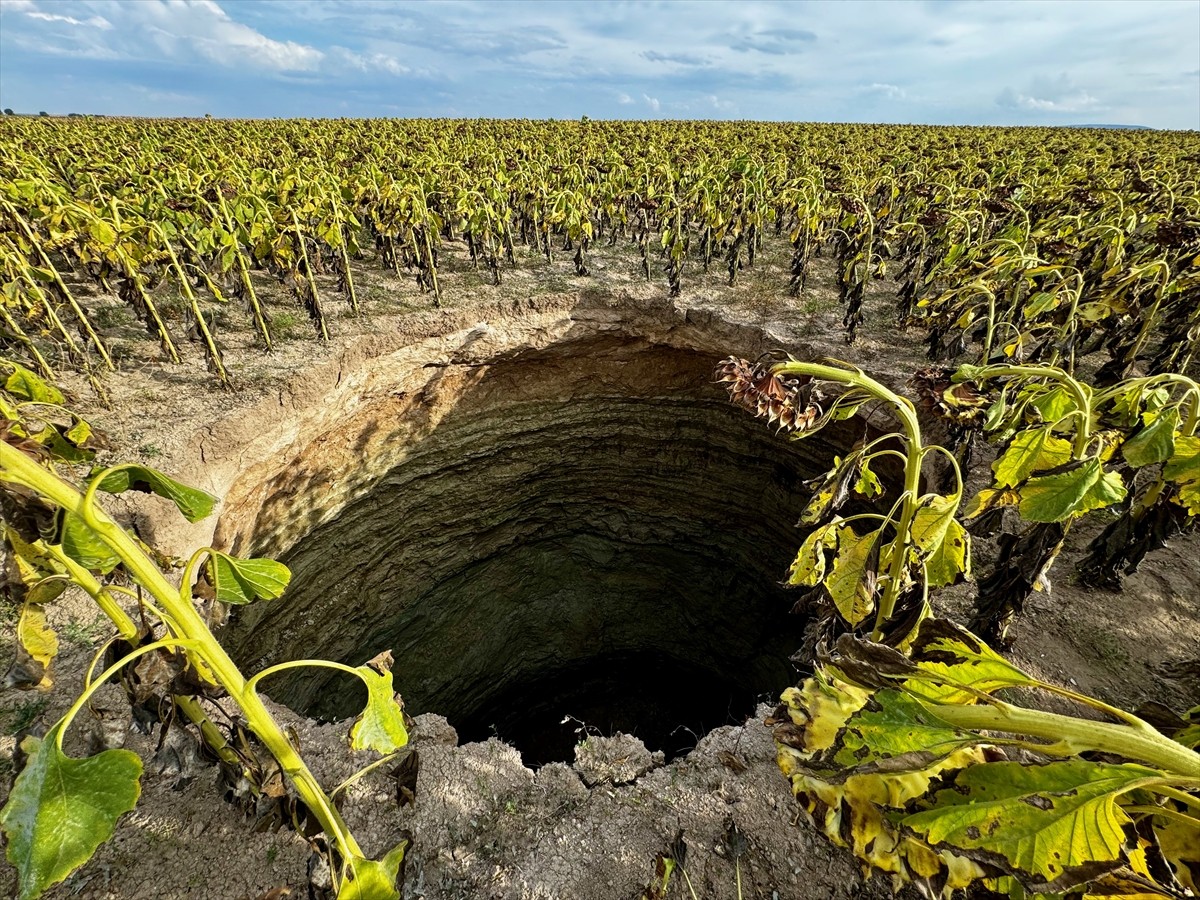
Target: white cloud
[
  {"x": 367, "y": 62},
  {"x": 387, "y": 64},
  {"x": 916, "y": 60},
  {"x": 1049, "y": 95},
  {"x": 93, "y": 21},
  {"x": 1075, "y": 103},
  {"x": 30, "y": 10},
  {"x": 206, "y": 27},
  {"x": 170, "y": 29},
  {"x": 882, "y": 89}
]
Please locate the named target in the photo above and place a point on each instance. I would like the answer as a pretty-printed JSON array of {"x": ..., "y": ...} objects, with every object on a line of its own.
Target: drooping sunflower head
[
  {"x": 788, "y": 401},
  {"x": 939, "y": 395}
]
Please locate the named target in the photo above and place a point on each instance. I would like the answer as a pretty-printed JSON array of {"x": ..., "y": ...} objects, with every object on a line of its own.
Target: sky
[{"x": 940, "y": 62}]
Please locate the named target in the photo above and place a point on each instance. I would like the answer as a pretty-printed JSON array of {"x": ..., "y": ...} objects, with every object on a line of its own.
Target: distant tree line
[{"x": 8, "y": 111}]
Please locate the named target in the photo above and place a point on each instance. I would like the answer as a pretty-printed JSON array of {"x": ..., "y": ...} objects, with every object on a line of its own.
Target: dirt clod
[{"x": 620, "y": 759}]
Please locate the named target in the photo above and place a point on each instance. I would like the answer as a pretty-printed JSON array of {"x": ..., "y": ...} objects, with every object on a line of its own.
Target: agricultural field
[
  {"x": 974, "y": 353},
  {"x": 1042, "y": 244}
]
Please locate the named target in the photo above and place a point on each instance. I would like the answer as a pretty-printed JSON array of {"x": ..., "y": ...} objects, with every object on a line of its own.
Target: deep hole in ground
[{"x": 586, "y": 538}]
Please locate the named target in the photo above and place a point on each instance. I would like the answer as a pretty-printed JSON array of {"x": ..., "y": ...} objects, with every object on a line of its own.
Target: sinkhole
[{"x": 579, "y": 536}]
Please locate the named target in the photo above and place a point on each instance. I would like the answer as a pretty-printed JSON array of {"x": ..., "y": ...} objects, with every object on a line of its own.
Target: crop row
[{"x": 1029, "y": 244}]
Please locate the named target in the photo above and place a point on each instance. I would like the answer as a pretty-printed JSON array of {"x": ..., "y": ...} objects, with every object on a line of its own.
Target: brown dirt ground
[{"x": 485, "y": 825}]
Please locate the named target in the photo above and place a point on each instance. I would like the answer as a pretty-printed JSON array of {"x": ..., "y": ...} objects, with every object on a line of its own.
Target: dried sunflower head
[
  {"x": 940, "y": 396},
  {"x": 1058, "y": 248},
  {"x": 788, "y": 401},
  {"x": 1176, "y": 234}
]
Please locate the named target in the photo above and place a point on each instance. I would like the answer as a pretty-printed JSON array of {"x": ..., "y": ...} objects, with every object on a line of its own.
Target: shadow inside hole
[
  {"x": 598, "y": 535},
  {"x": 668, "y": 703}
]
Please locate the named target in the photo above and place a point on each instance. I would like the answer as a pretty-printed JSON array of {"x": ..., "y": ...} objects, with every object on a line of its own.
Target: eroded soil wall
[{"x": 585, "y": 529}]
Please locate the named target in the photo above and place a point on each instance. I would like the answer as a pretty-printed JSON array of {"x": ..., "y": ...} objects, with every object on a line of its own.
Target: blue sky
[{"x": 929, "y": 61}]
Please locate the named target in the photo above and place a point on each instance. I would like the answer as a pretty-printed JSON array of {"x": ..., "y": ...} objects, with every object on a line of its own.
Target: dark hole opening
[
  {"x": 668, "y": 703},
  {"x": 599, "y": 539}
]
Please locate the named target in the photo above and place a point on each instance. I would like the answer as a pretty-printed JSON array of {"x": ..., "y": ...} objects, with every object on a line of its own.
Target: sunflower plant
[
  {"x": 908, "y": 746},
  {"x": 56, "y": 534},
  {"x": 871, "y": 569}
]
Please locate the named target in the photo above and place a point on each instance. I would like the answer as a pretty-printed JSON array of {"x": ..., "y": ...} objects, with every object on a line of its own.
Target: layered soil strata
[{"x": 550, "y": 528}]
